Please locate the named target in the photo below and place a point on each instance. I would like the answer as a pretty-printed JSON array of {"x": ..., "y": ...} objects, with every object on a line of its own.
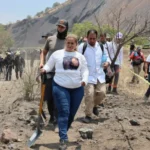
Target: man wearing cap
[
  {"x": 113, "y": 46},
  {"x": 19, "y": 63},
  {"x": 53, "y": 43},
  {"x": 137, "y": 58}
]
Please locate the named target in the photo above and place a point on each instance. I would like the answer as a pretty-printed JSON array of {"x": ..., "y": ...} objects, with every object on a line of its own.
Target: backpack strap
[
  {"x": 84, "y": 48},
  {"x": 102, "y": 47}
]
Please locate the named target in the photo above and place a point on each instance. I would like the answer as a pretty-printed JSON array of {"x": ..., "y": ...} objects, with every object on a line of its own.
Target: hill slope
[{"x": 27, "y": 32}]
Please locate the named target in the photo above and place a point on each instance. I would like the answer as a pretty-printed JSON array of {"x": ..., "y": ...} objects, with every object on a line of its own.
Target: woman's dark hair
[
  {"x": 92, "y": 31},
  {"x": 132, "y": 47}
]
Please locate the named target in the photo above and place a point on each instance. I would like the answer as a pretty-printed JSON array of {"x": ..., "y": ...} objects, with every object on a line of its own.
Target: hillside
[{"x": 27, "y": 33}]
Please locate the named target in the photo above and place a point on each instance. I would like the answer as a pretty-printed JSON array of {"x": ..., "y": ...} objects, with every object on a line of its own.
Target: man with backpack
[
  {"x": 137, "y": 58},
  {"x": 95, "y": 91},
  {"x": 19, "y": 65}
]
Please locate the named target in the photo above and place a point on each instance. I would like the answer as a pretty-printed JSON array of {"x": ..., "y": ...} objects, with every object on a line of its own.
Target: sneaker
[
  {"x": 114, "y": 91},
  {"x": 95, "y": 111},
  {"x": 87, "y": 119},
  {"x": 63, "y": 145},
  {"x": 109, "y": 90}
]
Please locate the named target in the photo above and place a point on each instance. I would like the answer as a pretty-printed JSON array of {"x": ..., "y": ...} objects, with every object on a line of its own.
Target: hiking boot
[
  {"x": 63, "y": 144},
  {"x": 95, "y": 111},
  {"x": 101, "y": 105},
  {"x": 87, "y": 119},
  {"x": 109, "y": 90},
  {"x": 114, "y": 91}
]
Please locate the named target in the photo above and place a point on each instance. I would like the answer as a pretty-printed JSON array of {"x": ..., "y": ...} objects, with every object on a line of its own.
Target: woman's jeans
[
  {"x": 67, "y": 102},
  {"x": 147, "y": 94}
]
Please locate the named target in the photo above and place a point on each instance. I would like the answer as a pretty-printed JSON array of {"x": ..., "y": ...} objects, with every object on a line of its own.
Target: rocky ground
[{"x": 123, "y": 124}]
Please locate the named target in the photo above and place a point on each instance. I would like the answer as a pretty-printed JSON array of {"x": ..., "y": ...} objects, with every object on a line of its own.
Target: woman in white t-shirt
[{"x": 71, "y": 75}]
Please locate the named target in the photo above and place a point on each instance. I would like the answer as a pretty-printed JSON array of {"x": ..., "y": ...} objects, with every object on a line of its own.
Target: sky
[{"x": 13, "y": 10}]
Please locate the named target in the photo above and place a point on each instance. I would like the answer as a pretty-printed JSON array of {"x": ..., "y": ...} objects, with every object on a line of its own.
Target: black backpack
[{"x": 108, "y": 79}]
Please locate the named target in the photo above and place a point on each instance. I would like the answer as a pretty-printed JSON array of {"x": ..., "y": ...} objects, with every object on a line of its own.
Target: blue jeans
[
  {"x": 147, "y": 94},
  {"x": 67, "y": 102}
]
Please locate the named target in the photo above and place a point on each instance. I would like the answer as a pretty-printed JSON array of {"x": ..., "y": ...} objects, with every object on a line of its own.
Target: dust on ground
[{"x": 112, "y": 129}]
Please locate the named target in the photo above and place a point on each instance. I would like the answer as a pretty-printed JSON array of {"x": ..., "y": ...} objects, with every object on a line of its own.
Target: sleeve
[
  {"x": 80, "y": 48},
  {"x": 121, "y": 57},
  {"x": 84, "y": 70},
  {"x": 132, "y": 55},
  {"x": 107, "y": 55},
  {"x": 50, "y": 63},
  {"x": 46, "y": 47},
  {"x": 148, "y": 59}
]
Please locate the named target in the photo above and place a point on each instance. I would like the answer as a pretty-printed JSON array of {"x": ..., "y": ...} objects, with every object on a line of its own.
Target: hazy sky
[{"x": 12, "y": 10}]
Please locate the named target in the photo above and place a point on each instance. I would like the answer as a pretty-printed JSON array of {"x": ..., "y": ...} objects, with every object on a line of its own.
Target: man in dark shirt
[{"x": 53, "y": 43}]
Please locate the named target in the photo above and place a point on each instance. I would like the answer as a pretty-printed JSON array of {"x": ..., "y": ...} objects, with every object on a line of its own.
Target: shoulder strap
[
  {"x": 84, "y": 48},
  {"x": 102, "y": 47}
]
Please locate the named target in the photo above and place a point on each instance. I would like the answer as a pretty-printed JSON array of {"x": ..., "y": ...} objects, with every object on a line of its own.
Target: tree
[
  {"x": 134, "y": 27},
  {"x": 80, "y": 29},
  {"x": 5, "y": 39},
  {"x": 55, "y": 4},
  {"x": 47, "y": 9},
  {"x": 29, "y": 17}
]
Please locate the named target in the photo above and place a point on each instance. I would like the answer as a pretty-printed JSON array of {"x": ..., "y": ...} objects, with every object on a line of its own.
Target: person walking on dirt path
[
  {"x": 95, "y": 91},
  {"x": 113, "y": 46},
  {"x": 9, "y": 63},
  {"x": 53, "y": 43},
  {"x": 147, "y": 75},
  {"x": 71, "y": 75},
  {"x": 137, "y": 58},
  {"x": 19, "y": 65}
]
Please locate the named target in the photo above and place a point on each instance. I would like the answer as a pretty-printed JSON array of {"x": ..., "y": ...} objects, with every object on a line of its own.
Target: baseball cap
[
  {"x": 63, "y": 23},
  {"x": 119, "y": 35},
  {"x": 47, "y": 35}
]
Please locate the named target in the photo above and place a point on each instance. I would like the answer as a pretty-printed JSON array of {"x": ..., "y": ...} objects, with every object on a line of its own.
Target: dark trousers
[
  {"x": 147, "y": 94},
  {"x": 67, "y": 102},
  {"x": 8, "y": 73},
  {"x": 49, "y": 99},
  {"x": 116, "y": 76}
]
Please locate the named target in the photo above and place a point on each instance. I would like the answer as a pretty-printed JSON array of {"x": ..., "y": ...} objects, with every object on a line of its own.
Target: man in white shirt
[
  {"x": 112, "y": 48},
  {"x": 95, "y": 91}
]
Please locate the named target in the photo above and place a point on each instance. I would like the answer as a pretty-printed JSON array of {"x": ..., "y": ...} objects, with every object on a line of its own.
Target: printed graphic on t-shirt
[{"x": 70, "y": 63}]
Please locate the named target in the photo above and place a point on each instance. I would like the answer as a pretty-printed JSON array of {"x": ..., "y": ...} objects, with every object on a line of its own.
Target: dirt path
[{"x": 112, "y": 129}]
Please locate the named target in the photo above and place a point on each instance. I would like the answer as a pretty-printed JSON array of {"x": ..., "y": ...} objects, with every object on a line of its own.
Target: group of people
[
  {"x": 75, "y": 71},
  {"x": 10, "y": 62}
]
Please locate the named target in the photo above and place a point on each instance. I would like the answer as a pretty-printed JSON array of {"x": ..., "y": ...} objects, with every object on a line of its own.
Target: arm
[
  {"x": 84, "y": 70},
  {"x": 121, "y": 57},
  {"x": 132, "y": 55},
  {"x": 50, "y": 64},
  {"x": 44, "y": 53}
]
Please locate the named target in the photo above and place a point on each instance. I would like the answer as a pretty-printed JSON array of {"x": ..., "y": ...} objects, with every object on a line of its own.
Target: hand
[
  {"x": 145, "y": 75},
  {"x": 83, "y": 83},
  {"x": 106, "y": 64},
  {"x": 41, "y": 66},
  {"x": 42, "y": 71}
]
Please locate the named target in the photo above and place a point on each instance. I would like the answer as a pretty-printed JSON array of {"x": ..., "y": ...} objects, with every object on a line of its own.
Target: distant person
[
  {"x": 113, "y": 46},
  {"x": 9, "y": 63},
  {"x": 19, "y": 65},
  {"x": 147, "y": 75},
  {"x": 137, "y": 58},
  {"x": 108, "y": 38},
  {"x": 53, "y": 43},
  {"x": 71, "y": 75}
]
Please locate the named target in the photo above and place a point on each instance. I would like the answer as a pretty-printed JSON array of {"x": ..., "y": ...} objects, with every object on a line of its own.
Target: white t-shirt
[{"x": 70, "y": 68}]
